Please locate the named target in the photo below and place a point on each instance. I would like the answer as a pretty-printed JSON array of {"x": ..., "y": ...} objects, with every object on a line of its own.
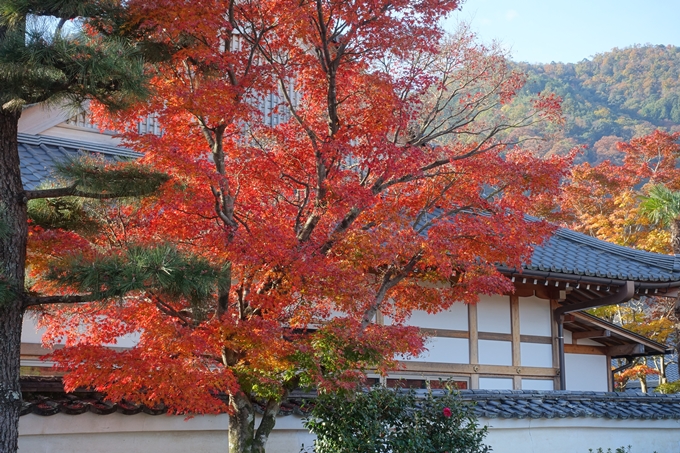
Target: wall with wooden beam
[{"x": 502, "y": 342}]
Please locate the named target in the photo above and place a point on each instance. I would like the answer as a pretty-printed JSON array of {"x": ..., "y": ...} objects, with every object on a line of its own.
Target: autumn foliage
[
  {"x": 637, "y": 372},
  {"x": 384, "y": 188},
  {"x": 609, "y": 202},
  {"x": 604, "y": 200}
]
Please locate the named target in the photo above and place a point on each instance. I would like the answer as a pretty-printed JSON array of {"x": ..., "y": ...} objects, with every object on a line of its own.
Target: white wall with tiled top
[{"x": 142, "y": 433}]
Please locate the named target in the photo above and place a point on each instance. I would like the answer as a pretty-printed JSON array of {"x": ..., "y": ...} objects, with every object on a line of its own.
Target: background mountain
[{"x": 613, "y": 97}]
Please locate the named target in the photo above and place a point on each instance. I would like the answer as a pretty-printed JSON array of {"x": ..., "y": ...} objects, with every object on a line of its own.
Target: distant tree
[
  {"x": 625, "y": 93},
  {"x": 606, "y": 149},
  {"x": 638, "y": 373},
  {"x": 632, "y": 204}
]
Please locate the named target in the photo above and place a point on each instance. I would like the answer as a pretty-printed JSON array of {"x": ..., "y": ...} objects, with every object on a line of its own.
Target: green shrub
[
  {"x": 668, "y": 387},
  {"x": 394, "y": 421}
]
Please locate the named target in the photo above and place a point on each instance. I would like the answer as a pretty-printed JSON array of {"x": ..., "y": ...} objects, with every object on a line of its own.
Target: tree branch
[
  {"x": 72, "y": 191},
  {"x": 33, "y": 301},
  {"x": 389, "y": 280}
]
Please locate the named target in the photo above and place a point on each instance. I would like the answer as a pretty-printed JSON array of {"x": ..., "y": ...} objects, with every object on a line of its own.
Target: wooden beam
[
  {"x": 514, "y": 329},
  {"x": 569, "y": 318},
  {"x": 464, "y": 368},
  {"x": 445, "y": 333},
  {"x": 584, "y": 349},
  {"x": 517, "y": 382},
  {"x": 474, "y": 337},
  {"x": 626, "y": 349},
  {"x": 555, "y": 343},
  {"x": 591, "y": 334},
  {"x": 34, "y": 349},
  {"x": 523, "y": 290},
  {"x": 494, "y": 336},
  {"x": 535, "y": 339},
  {"x": 547, "y": 292}
]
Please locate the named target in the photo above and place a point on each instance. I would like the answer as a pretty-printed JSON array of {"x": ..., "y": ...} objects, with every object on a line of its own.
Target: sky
[{"x": 567, "y": 31}]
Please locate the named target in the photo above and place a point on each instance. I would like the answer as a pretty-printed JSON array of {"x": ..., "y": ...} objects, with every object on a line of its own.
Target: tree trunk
[
  {"x": 675, "y": 244},
  {"x": 643, "y": 384},
  {"x": 662, "y": 370},
  {"x": 241, "y": 424},
  {"x": 243, "y": 438},
  {"x": 675, "y": 236},
  {"x": 12, "y": 264}
]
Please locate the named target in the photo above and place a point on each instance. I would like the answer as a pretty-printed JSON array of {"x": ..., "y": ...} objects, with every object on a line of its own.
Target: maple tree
[
  {"x": 385, "y": 188},
  {"x": 637, "y": 372},
  {"x": 632, "y": 204}
]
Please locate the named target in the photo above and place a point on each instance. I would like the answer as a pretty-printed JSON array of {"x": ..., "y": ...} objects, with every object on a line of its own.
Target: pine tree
[{"x": 50, "y": 53}]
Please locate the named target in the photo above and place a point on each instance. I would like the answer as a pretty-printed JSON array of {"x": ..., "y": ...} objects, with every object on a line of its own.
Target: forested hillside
[{"x": 613, "y": 97}]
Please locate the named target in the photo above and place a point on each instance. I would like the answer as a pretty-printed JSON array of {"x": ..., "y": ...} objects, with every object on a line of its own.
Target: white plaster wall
[
  {"x": 455, "y": 318},
  {"x": 493, "y": 314},
  {"x": 31, "y": 334},
  {"x": 494, "y": 383},
  {"x": 29, "y": 331},
  {"x": 579, "y": 435},
  {"x": 445, "y": 350},
  {"x": 538, "y": 384},
  {"x": 492, "y": 352},
  {"x": 587, "y": 372},
  {"x": 89, "y": 433},
  {"x": 142, "y": 433},
  {"x": 567, "y": 337},
  {"x": 536, "y": 354},
  {"x": 534, "y": 316}
]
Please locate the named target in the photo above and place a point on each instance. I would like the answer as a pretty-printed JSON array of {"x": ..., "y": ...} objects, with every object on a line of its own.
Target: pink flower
[{"x": 446, "y": 412}]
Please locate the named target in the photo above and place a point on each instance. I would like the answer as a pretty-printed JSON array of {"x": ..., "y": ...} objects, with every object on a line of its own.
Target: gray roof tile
[
  {"x": 517, "y": 404},
  {"x": 562, "y": 404},
  {"x": 572, "y": 253},
  {"x": 39, "y": 154}
]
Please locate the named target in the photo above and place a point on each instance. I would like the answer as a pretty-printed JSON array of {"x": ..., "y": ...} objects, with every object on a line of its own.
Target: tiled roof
[
  {"x": 71, "y": 404},
  {"x": 510, "y": 404},
  {"x": 39, "y": 154},
  {"x": 520, "y": 404},
  {"x": 569, "y": 252},
  {"x": 582, "y": 321}
]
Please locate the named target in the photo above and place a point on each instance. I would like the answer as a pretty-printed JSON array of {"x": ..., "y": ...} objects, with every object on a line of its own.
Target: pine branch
[
  {"x": 96, "y": 179},
  {"x": 39, "y": 65},
  {"x": 72, "y": 191},
  {"x": 33, "y": 301},
  {"x": 162, "y": 269}
]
